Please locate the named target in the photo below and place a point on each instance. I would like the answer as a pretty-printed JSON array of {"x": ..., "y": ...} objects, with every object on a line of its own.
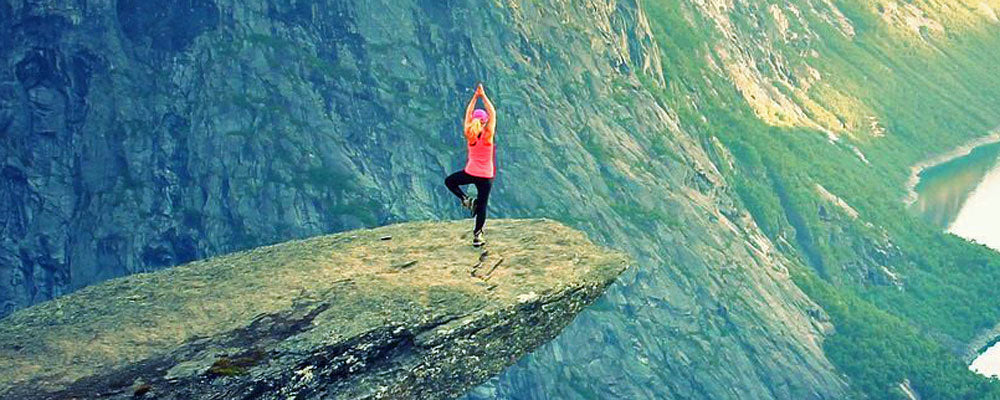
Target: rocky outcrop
[{"x": 402, "y": 311}]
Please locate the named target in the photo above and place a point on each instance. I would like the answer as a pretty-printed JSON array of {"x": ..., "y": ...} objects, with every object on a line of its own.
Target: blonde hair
[{"x": 474, "y": 129}]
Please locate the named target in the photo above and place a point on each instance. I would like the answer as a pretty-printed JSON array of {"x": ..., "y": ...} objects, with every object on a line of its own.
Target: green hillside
[{"x": 905, "y": 299}]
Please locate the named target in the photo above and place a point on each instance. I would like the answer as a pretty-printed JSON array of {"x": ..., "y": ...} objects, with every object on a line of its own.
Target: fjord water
[
  {"x": 952, "y": 195},
  {"x": 962, "y": 196}
]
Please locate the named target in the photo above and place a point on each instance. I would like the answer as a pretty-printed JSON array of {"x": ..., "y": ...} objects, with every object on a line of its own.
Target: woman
[{"x": 479, "y": 128}]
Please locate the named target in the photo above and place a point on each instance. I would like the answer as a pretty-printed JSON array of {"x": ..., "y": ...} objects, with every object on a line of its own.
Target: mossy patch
[{"x": 234, "y": 366}]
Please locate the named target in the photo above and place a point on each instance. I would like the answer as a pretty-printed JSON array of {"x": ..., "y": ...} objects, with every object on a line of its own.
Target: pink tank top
[{"x": 480, "y": 162}]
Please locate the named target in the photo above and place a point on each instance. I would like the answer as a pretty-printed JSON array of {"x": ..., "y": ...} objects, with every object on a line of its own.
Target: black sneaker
[{"x": 479, "y": 239}]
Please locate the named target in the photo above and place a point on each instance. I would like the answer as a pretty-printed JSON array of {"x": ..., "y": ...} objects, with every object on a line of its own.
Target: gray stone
[{"x": 328, "y": 317}]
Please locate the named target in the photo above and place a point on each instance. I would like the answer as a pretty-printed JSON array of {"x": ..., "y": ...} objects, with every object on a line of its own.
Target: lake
[{"x": 962, "y": 196}]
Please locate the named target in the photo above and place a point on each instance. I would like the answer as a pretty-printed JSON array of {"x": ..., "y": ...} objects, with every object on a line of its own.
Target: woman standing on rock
[{"x": 479, "y": 127}]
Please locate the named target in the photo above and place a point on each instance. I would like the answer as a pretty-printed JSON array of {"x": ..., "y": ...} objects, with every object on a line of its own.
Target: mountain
[
  {"x": 751, "y": 156},
  {"x": 401, "y": 311}
]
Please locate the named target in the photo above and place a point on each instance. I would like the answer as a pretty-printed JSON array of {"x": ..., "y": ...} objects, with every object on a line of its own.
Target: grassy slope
[{"x": 930, "y": 101}]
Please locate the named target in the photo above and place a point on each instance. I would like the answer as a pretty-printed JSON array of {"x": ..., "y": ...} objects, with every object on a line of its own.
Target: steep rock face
[
  {"x": 136, "y": 142},
  {"x": 138, "y": 137},
  {"x": 420, "y": 315}
]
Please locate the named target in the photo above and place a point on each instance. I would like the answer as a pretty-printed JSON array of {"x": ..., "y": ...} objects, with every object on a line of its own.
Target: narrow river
[{"x": 962, "y": 196}]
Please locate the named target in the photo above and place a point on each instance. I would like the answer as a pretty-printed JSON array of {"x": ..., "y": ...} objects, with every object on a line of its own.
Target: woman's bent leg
[
  {"x": 455, "y": 180},
  {"x": 483, "y": 187}
]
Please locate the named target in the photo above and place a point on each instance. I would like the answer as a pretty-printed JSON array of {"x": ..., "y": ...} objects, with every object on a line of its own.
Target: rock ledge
[{"x": 401, "y": 311}]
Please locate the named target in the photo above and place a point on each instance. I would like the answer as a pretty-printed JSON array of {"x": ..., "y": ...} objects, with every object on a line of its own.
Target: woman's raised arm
[
  {"x": 492, "y": 124},
  {"x": 471, "y": 106}
]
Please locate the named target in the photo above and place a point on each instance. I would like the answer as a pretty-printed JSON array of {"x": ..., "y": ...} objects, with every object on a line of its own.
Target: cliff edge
[{"x": 401, "y": 311}]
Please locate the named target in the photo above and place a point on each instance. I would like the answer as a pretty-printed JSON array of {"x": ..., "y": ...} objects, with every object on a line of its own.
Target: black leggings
[{"x": 483, "y": 186}]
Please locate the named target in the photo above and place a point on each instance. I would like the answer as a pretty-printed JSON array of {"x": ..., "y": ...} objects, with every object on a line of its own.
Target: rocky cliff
[
  {"x": 402, "y": 311},
  {"x": 137, "y": 138},
  {"x": 726, "y": 145}
]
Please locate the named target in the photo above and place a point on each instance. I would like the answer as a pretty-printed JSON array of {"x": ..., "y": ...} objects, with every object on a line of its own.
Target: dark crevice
[{"x": 803, "y": 236}]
